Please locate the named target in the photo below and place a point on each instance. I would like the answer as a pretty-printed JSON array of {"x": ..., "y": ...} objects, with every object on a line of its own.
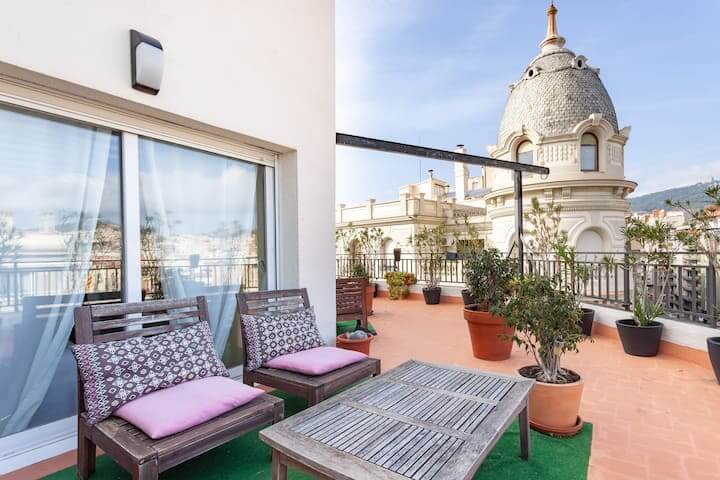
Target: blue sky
[{"x": 436, "y": 73}]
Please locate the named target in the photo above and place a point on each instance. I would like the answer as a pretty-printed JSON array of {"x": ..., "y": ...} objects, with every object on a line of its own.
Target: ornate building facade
[{"x": 558, "y": 114}]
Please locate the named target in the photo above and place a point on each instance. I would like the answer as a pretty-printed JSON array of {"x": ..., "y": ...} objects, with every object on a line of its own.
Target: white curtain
[
  {"x": 203, "y": 208},
  {"x": 83, "y": 153}
]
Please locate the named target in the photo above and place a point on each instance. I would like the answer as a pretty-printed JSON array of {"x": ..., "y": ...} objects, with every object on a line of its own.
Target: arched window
[
  {"x": 525, "y": 153},
  {"x": 589, "y": 153}
]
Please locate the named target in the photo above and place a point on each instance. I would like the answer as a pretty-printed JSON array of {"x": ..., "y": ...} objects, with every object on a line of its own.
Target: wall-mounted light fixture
[{"x": 146, "y": 58}]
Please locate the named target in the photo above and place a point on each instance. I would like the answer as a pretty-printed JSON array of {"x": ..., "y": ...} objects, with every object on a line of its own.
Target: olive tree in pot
[
  {"x": 650, "y": 266},
  {"x": 488, "y": 275},
  {"x": 548, "y": 245},
  {"x": 431, "y": 247},
  {"x": 702, "y": 237},
  {"x": 545, "y": 320}
]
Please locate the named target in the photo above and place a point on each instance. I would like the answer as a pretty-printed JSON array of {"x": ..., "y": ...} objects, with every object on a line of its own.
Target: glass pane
[
  {"x": 525, "y": 157},
  {"x": 60, "y": 246},
  {"x": 588, "y": 157},
  {"x": 202, "y": 232}
]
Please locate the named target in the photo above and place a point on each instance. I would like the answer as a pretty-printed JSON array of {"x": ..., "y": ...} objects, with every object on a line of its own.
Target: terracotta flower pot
[
  {"x": 360, "y": 345},
  {"x": 369, "y": 295},
  {"x": 555, "y": 407},
  {"x": 489, "y": 334}
]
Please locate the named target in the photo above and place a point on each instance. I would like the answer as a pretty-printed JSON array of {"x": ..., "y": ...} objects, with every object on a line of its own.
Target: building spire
[{"x": 552, "y": 39}]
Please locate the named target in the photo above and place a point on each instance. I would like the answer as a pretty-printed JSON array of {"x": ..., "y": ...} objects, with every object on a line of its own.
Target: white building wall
[
  {"x": 261, "y": 72},
  {"x": 236, "y": 73}
]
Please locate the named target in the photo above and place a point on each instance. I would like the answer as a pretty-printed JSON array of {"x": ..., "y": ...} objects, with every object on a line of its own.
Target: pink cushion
[
  {"x": 316, "y": 361},
  {"x": 171, "y": 410}
]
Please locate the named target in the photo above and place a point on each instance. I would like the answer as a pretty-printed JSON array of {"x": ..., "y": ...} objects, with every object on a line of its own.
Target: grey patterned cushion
[
  {"x": 272, "y": 334},
  {"x": 115, "y": 373}
]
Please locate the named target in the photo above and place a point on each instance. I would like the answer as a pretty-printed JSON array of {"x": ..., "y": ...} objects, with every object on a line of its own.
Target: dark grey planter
[
  {"x": 586, "y": 321},
  {"x": 467, "y": 298},
  {"x": 713, "y": 344},
  {"x": 637, "y": 340},
  {"x": 432, "y": 295}
]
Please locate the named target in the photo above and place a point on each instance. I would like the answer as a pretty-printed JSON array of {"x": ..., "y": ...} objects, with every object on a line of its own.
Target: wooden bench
[
  {"x": 350, "y": 300},
  {"x": 314, "y": 389},
  {"x": 134, "y": 451}
]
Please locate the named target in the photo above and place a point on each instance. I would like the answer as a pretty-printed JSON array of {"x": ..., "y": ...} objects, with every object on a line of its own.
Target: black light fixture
[{"x": 147, "y": 60}]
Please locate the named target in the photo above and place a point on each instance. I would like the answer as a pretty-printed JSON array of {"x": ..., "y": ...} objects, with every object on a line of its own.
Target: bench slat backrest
[
  {"x": 350, "y": 295},
  {"x": 120, "y": 321},
  {"x": 258, "y": 303}
]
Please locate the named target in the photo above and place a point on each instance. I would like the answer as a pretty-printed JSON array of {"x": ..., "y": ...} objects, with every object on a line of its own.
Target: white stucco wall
[{"x": 261, "y": 72}]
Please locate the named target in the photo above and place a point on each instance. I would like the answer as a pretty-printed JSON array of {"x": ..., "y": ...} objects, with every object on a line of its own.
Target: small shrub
[
  {"x": 488, "y": 275},
  {"x": 398, "y": 283}
]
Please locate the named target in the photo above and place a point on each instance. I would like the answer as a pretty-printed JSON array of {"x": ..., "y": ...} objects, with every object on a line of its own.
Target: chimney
[
  {"x": 430, "y": 174},
  {"x": 461, "y": 176}
]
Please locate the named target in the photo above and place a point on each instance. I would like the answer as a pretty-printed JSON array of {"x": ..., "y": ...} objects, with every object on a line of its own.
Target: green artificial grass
[{"x": 247, "y": 458}]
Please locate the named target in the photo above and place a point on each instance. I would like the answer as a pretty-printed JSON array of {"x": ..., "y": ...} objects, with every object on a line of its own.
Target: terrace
[{"x": 652, "y": 418}]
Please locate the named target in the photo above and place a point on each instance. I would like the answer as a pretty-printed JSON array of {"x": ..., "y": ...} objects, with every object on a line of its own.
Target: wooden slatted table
[{"x": 420, "y": 421}]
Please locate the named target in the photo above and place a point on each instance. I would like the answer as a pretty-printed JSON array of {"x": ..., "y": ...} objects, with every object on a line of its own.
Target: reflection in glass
[
  {"x": 589, "y": 153},
  {"x": 60, "y": 245},
  {"x": 202, "y": 232}
]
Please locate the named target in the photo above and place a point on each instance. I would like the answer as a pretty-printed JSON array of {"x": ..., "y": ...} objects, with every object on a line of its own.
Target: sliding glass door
[
  {"x": 205, "y": 228},
  {"x": 60, "y": 246},
  {"x": 202, "y": 232}
]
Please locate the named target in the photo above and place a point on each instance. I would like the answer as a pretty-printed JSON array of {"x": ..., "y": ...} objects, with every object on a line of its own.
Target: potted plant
[
  {"x": 467, "y": 243},
  {"x": 359, "y": 271},
  {"x": 358, "y": 341},
  {"x": 430, "y": 246},
  {"x": 548, "y": 244},
  {"x": 651, "y": 263},
  {"x": 545, "y": 320},
  {"x": 399, "y": 284},
  {"x": 701, "y": 236},
  {"x": 488, "y": 275},
  {"x": 579, "y": 274},
  {"x": 370, "y": 240}
]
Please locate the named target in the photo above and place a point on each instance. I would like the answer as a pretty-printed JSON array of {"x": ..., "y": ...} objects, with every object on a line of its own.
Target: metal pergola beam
[
  {"x": 434, "y": 153},
  {"x": 437, "y": 154}
]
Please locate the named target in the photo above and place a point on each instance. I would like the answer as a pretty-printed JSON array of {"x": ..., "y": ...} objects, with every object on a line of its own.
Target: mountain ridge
[{"x": 695, "y": 194}]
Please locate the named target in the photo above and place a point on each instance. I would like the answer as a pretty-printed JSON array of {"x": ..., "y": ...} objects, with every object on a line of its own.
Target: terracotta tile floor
[{"x": 654, "y": 418}]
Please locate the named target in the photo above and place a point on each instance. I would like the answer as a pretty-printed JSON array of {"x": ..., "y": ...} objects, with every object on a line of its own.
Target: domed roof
[{"x": 556, "y": 92}]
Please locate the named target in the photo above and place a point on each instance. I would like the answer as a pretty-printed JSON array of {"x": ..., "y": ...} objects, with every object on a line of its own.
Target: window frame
[
  {"x": 597, "y": 152},
  {"x": 34, "y": 444}
]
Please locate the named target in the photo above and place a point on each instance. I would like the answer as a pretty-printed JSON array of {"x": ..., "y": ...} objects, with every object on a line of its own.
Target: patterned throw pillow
[
  {"x": 272, "y": 334},
  {"x": 115, "y": 373}
]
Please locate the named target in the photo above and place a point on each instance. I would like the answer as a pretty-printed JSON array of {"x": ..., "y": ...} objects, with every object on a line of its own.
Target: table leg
[
  {"x": 279, "y": 469},
  {"x": 524, "y": 421}
]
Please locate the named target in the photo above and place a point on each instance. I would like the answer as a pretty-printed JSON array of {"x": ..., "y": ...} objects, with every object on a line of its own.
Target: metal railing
[
  {"x": 47, "y": 275},
  {"x": 689, "y": 295}
]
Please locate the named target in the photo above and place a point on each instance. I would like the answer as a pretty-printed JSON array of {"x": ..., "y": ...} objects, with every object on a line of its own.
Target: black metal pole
[
  {"x": 519, "y": 221},
  {"x": 626, "y": 277},
  {"x": 711, "y": 295}
]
